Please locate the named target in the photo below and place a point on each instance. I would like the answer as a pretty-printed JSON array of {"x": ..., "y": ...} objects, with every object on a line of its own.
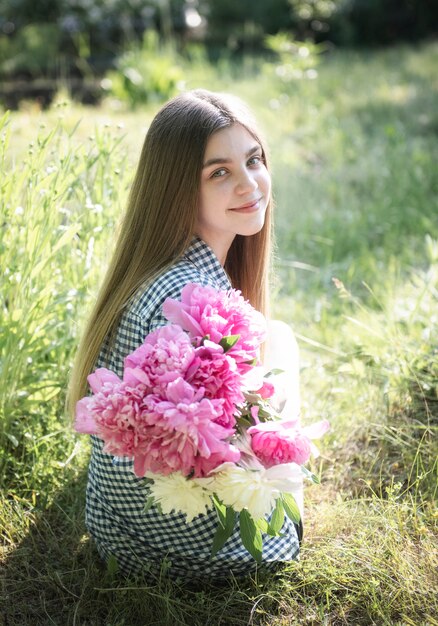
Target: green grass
[{"x": 354, "y": 154}]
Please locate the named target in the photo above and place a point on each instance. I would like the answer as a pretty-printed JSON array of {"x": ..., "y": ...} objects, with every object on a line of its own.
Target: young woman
[{"x": 199, "y": 211}]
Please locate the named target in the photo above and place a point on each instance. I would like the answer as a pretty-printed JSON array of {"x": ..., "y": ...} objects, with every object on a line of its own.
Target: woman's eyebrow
[{"x": 221, "y": 160}]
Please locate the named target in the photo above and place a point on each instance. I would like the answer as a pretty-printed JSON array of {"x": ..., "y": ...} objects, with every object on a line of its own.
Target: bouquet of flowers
[{"x": 193, "y": 412}]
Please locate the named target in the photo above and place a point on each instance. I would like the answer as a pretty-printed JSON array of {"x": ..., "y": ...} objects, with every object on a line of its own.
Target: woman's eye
[
  {"x": 255, "y": 160},
  {"x": 219, "y": 173}
]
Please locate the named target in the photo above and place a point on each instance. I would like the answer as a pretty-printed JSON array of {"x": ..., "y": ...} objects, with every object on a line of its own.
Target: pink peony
[
  {"x": 205, "y": 311},
  {"x": 163, "y": 435},
  {"x": 113, "y": 415},
  {"x": 254, "y": 410},
  {"x": 85, "y": 421},
  {"x": 204, "y": 465},
  {"x": 102, "y": 382},
  {"x": 165, "y": 355},
  {"x": 276, "y": 443},
  {"x": 216, "y": 373},
  {"x": 102, "y": 379},
  {"x": 179, "y": 433},
  {"x": 266, "y": 391}
]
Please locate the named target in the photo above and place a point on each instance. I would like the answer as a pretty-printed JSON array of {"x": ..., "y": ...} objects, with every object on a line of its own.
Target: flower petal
[
  {"x": 84, "y": 420},
  {"x": 101, "y": 377},
  {"x": 317, "y": 430}
]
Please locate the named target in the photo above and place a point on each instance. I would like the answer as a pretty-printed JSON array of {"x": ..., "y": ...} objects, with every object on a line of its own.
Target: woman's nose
[{"x": 246, "y": 182}]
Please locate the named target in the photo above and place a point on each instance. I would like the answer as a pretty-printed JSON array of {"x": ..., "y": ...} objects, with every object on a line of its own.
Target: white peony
[
  {"x": 177, "y": 493},
  {"x": 254, "y": 489},
  {"x": 244, "y": 489}
]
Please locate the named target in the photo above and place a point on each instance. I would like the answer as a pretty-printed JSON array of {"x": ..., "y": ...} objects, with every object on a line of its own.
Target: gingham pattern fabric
[{"x": 143, "y": 541}]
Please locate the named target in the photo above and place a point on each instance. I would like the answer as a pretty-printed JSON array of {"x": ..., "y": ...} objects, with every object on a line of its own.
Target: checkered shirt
[{"x": 143, "y": 541}]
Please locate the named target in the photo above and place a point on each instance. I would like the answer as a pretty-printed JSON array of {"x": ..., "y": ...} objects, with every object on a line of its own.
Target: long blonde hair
[{"x": 161, "y": 215}]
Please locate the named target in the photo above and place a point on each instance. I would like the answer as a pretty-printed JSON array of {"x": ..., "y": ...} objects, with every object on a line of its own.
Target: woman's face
[{"x": 235, "y": 189}]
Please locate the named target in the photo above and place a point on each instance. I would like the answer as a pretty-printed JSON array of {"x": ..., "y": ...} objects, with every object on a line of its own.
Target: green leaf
[
  {"x": 277, "y": 517},
  {"x": 13, "y": 439},
  {"x": 274, "y": 372},
  {"x": 219, "y": 540},
  {"x": 311, "y": 476},
  {"x": 223, "y": 532},
  {"x": 263, "y": 525},
  {"x": 231, "y": 518},
  {"x": 290, "y": 506},
  {"x": 148, "y": 504},
  {"x": 221, "y": 511},
  {"x": 229, "y": 341},
  {"x": 266, "y": 528},
  {"x": 251, "y": 535},
  {"x": 263, "y": 414}
]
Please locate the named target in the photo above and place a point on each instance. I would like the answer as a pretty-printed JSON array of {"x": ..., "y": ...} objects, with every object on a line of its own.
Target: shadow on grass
[
  {"x": 46, "y": 574},
  {"x": 54, "y": 576}
]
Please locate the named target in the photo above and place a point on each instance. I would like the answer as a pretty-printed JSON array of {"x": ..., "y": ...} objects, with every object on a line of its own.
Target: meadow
[{"x": 354, "y": 150}]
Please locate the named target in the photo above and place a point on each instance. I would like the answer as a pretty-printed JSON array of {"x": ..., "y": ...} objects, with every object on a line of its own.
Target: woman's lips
[{"x": 248, "y": 207}]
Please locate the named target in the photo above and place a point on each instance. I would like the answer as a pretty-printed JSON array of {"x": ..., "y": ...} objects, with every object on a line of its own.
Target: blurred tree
[
  {"x": 237, "y": 24},
  {"x": 345, "y": 22},
  {"x": 311, "y": 18},
  {"x": 95, "y": 29},
  {"x": 365, "y": 22},
  {"x": 91, "y": 34},
  {"x": 22, "y": 12},
  {"x": 370, "y": 22}
]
